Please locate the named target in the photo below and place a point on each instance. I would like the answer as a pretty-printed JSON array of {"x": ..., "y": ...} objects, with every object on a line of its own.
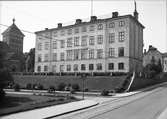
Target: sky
[{"x": 34, "y": 16}]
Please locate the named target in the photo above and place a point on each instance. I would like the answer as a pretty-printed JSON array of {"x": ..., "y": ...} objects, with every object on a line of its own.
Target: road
[{"x": 145, "y": 105}]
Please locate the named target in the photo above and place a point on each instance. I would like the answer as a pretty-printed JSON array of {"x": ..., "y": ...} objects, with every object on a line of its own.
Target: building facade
[
  {"x": 101, "y": 45},
  {"x": 164, "y": 62}
]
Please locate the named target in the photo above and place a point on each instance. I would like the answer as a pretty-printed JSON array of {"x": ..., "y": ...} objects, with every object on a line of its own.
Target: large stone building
[
  {"x": 164, "y": 62},
  {"x": 14, "y": 38},
  {"x": 100, "y": 45}
]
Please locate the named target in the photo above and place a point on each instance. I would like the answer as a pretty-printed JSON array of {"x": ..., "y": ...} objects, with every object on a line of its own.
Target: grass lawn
[{"x": 18, "y": 102}]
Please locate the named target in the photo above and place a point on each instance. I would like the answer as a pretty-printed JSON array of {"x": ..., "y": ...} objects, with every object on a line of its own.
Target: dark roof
[
  {"x": 97, "y": 21},
  {"x": 164, "y": 54},
  {"x": 13, "y": 29}
]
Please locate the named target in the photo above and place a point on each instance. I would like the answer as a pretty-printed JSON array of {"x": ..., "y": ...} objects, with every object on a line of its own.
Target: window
[
  {"x": 84, "y": 29},
  {"x": 121, "y": 65},
  {"x": 111, "y": 25},
  {"x": 62, "y": 44},
  {"x": 91, "y": 66},
  {"x": 121, "y": 51},
  {"x": 69, "y": 42},
  {"x": 122, "y": 23},
  {"x": 83, "y": 54},
  {"x": 91, "y": 54},
  {"x": 69, "y": 54},
  {"x": 69, "y": 31},
  {"x": 100, "y": 26},
  {"x": 121, "y": 36},
  {"x": 84, "y": 41},
  {"x": 83, "y": 67},
  {"x": 99, "y": 53},
  {"x": 111, "y": 37},
  {"x": 99, "y": 66},
  {"x": 76, "y": 30},
  {"x": 76, "y": 41},
  {"x": 111, "y": 66},
  {"x": 46, "y": 57},
  {"x": 68, "y": 67},
  {"x": 54, "y": 56},
  {"x": 45, "y": 68},
  {"x": 75, "y": 67},
  {"x": 39, "y": 57},
  {"x": 46, "y": 45},
  {"x": 62, "y": 33},
  {"x": 54, "y": 45},
  {"x": 39, "y": 68},
  {"x": 39, "y": 46},
  {"x": 62, "y": 56},
  {"x": 99, "y": 39},
  {"x": 91, "y": 28},
  {"x": 54, "y": 68},
  {"x": 91, "y": 40},
  {"x": 55, "y": 34},
  {"x": 76, "y": 54},
  {"x": 111, "y": 52},
  {"x": 61, "y": 68}
]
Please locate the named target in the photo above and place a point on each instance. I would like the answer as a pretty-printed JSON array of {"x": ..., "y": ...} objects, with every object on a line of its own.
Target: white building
[
  {"x": 164, "y": 62},
  {"x": 100, "y": 45}
]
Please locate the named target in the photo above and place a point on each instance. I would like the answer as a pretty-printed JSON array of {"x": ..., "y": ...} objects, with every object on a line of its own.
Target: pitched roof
[{"x": 13, "y": 29}]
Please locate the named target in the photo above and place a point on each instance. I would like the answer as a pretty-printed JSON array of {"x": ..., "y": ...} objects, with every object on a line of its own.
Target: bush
[
  {"x": 61, "y": 87},
  {"x": 16, "y": 87},
  {"x": 105, "y": 93},
  {"x": 51, "y": 89},
  {"x": 75, "y": 87},
  {"x": 40, "y": 87},
  {"x": 29, "y": 86},
  {"x": 2, "y": 94}
]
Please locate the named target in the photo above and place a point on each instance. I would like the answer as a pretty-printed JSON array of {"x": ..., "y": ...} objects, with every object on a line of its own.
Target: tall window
[
  {"x": 91, "y": 66},
  {"x": 61, "y": 68},
  {"x": 122, "y": 23},
  {"x": 68, "y": 67},
  {"x": 39, "y": 68},
  {"x": 99, "y": 66},
  {"x": 76, "y": 30},
  {"x": 121, "y": 51},
  {"x": 84, "y": 41},
  {"x": 76, "y": 54},
  {"x": 121, "y": 65},
  {"x": 45, "y": 68},
  {"x": 54, "y": 44},
  {"x": 62, "y": 44},
  {"x": 39, "y": 57},
  {"x": 62, "y": 33},
  {"x": 91, "y": 28},
  {"x": 91, "y": 40},
  {"x": 83, "y": 67},
  {"x": 111, "y": 25},
  {"x": 121, "y": 36},
  {"x": 69, "y": 31},
  {"x": 100, "y": 26},
  {"x": 76, "y": 41},
  {"x": 54, "y": 56},
  {"x": 62, "y": 56},
  {"x": 84, "y": 29},
  {"x": 54, "y": 68},
  {"x": 75, "y": 67},
  {"x": 100, "y": 39},
  {"x": 111, "y": 37},
  {"x": 110, "y": 66},
  {"x": 39, "y": 46},
  {"x": 69, "y": 42},
  {"x": 69, "y": 54},
  {"x": 46, "y": 45},
  {"x": 111, "y": 52},
  {"x": 46, "y": 58},
  {"x": 55, "y": 34},
  {"x": 99, "y": 53},
  {"x": 83, "y": 54},
  {"x": 91, "y": 54}
]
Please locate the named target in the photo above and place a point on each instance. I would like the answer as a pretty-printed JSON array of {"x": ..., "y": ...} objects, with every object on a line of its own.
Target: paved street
[{"x": 146, "y": 105}]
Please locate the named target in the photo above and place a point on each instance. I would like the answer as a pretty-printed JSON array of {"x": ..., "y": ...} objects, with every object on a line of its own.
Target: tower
[{"x": 135, "y": 13}]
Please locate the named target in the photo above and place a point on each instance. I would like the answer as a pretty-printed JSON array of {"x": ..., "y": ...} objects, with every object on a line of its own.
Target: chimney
[
  {"x": 46, "y": 28},
  {"x": 93, "y": 18},
  {"x": 78, "y": 21},
  {"x": 59, "y": 25},
  {"x": 114, "y": 14}
]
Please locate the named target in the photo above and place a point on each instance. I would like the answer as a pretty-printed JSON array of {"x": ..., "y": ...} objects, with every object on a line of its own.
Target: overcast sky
[{"x": 36, "y": 15}]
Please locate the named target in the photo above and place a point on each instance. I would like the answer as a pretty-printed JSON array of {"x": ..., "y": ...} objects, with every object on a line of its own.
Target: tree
[{"x": 30, "y": 60}]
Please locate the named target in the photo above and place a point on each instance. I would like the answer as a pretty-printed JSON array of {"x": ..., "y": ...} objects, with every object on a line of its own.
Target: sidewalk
[
  {"x": 52, "y": 111},
  {"x": 163, "y": 115}
]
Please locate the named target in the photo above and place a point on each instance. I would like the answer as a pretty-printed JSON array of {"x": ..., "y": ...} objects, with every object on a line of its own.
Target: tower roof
[{"x": 13, "y": 29}]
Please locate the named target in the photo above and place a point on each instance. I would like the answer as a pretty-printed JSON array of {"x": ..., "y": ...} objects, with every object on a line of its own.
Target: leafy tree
[{"x": 30, "y": 60}]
